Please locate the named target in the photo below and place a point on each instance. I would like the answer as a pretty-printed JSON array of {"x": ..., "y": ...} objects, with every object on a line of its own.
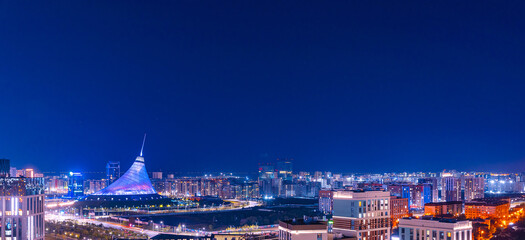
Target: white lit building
[
  {"x": 435, "y": 229},
  {"x": 364, "y": 215},
  {"x": 22, "y": 208},
  {"x": 302, "y": 230}
]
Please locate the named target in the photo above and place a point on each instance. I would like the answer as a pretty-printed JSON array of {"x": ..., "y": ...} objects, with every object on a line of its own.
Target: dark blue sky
[{"x": 347, "y": 86}]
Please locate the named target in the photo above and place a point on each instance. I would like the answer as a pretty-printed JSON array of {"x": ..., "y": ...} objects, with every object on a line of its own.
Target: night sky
[{"x": 346, "y": 86}]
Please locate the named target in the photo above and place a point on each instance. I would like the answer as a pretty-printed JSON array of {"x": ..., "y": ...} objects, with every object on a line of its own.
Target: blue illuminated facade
[{"x": 75, "y": 186}]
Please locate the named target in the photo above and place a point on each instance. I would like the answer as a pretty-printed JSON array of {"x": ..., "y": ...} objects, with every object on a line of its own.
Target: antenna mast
[{"x": 142, "y": 148}]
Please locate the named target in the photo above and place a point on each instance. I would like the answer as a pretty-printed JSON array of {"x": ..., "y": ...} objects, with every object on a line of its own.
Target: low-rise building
[
  {"x": 435, "y": 229},
  {"x": 486, "y": 208},
  {"x": 454, "y": 208},
  {"x": 300, "y": 229}
]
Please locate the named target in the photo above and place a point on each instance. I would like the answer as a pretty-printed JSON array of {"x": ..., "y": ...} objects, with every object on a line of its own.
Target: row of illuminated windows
[
  {"x": 422, "y": 234},
  {"x": 14, "y": 206}
]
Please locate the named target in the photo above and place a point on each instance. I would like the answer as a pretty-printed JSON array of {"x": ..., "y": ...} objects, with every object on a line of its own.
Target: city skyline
[{"x": 346, "y": 86}]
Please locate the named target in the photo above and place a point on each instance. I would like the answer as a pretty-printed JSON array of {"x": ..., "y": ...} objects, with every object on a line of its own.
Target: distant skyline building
[
  {"x": 450, "y": 189},
  {"x": 284, "y": 169},
  {"x": 156, "y": 175},
  {"x": 12, "y": 172},
  {"x": 474, "y": 187},
  {"x": 417, "y": 194},
  {"x": 433, "y": 181},
  {"x": 266, "y": 171},
  {"x": 5, "y": 167},
  {"x": 22, "y": 208},
  {"x": 75, "y": 187},
  {"x": 112, "y": 172},
  {"x": 326, "y": 201}
]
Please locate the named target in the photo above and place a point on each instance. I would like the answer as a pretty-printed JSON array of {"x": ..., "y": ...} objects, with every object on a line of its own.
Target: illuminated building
[
  {"x": 5, "y": 167},
  {"x": 156, "y": 175},
  {"x": 326, "y": 201},
  {"x": 398, "y": 209},
  {"x": 112, "y": 172},
  {"x": 22, "y": 208},
  {"x": 454, "y": 208},
  {"x": 486, "y": 208},
  {"x": 474, "y": 187},
  {"x": 28, "y": 173},
  {"x": 75, "y": 187},
  {"x": 284, "y": 169},
  {"x": 132, "y": 189},
  {"x": 288, "y": 189},
  {"x": 135, "y": 181},
  {"x": 417, "y": 194},
  {"x": 12, "y": 172},
  {"x": 94, "y": 185},
  {"x": 435, "y": 229},
  {"x": 266, "y": 171},
  {"x": 302, "y": 229},
  {"x": 502, "y": 183},
  {"x": 433, "y": 185},
  {"x": 56, "y": 185},
  {"x": 450, "y": 189},
  {"x": 362, "y": 214}
]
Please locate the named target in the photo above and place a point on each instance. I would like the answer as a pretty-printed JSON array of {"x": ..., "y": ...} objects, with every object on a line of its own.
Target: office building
[
  {"x": 303, "y": 229},
  {"x": 364, "y": 215},
  {"x": 75, "y": 187},
  {"x": 454, "y": 208},
  {"x": 22, "y": 208},
  {"x": 434, "y": 229},
  {"x": 112, "y": 172}
]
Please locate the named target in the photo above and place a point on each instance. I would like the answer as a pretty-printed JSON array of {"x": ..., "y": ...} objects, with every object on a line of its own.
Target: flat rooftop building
[
  {"x": 301, "y": 229},
  {"x": 454, "y": 208},
  {"x": 433, "y": 228}
]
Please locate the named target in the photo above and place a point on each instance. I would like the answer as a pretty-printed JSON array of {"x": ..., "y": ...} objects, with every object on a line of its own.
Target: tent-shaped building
[
  {"x": 134, "y": 182},
  {"x": 132, "y": 189}
]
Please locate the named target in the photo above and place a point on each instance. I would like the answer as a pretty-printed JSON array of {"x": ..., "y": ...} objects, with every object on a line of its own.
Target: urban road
[{"x": 152, "y": 233}]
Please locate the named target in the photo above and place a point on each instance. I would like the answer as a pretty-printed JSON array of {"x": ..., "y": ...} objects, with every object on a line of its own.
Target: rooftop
[
  {"x": 443, "y": 203},
  {"x": 301, "y": 224}
]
